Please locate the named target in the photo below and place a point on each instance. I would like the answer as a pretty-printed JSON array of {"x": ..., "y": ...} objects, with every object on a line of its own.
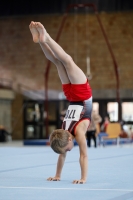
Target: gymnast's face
[{"x": 70, "y": 145}]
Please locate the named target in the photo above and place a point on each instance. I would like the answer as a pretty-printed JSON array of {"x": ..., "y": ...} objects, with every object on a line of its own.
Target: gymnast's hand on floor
[
  {"x": 81, "y": 181},
  {"x": 53, "y": 178}
]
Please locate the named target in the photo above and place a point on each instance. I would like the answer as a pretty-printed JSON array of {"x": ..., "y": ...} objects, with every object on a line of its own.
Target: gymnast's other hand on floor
[{"x": 53, "y": 178}]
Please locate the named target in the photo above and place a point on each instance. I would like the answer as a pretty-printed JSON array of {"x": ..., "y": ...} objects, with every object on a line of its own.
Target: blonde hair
[{"x": 58, "y": 140}]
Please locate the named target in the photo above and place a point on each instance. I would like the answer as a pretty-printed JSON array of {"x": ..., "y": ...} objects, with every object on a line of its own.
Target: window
[
  {"x": 127, "y": 111},
  {"x": 112, "y": 109},
  {"x": 96, "y": 107},
  {"x": 32, "y": 132},
  {"x": 33, "y": 113}
]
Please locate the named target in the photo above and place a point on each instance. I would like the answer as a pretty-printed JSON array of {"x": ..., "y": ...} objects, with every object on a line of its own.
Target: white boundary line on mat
[{"x": 82, "y": 189}]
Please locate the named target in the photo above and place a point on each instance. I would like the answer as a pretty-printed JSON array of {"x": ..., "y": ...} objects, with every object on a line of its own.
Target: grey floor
[{"x": 24, "y": 170}]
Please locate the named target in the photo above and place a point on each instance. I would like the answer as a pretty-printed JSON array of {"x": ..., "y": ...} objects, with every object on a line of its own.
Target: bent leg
[
  {"x": 49, "y": 53},
  {"x": 75, "y": 74}
]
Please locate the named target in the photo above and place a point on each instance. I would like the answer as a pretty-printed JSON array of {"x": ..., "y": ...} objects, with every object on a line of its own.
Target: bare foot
[
  {"x": 43, "y": 35},
  {"x": 34, "y": 32}
]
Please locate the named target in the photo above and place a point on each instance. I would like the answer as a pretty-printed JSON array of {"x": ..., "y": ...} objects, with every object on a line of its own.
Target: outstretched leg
[
  {"x": 75, "y": 74},
  {"x": 49, "y": 54}
]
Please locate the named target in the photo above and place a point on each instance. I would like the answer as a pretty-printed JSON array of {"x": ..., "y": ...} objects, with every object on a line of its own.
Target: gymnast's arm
[
  {"x": 60, "y": 163},
  {"x": 83, "y": 160}
]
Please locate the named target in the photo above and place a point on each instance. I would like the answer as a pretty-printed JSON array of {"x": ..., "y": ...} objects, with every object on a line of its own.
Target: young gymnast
[{"x": 78, "y": 92}]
